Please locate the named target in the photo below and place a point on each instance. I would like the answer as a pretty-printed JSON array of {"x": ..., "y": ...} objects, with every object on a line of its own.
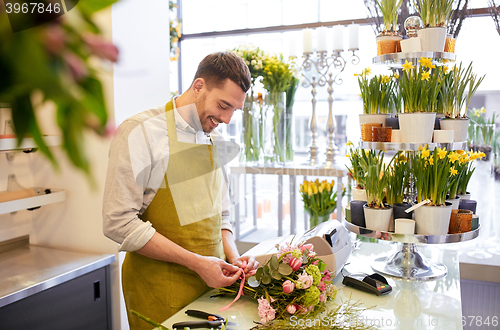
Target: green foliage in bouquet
[{"x": 255, "y": 58}]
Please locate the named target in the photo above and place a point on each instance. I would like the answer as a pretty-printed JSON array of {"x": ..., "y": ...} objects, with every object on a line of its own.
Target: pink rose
[
  {"x": 295, "y": 263},
  {"x": 288, "y": 286},
  {"x": 291, "y": 309},
  {"x": 307, "y": 280},
  {"x": 310, "y": 247}
]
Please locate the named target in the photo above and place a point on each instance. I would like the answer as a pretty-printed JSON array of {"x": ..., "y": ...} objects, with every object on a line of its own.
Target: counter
[
  {"x": 416, "y": 305},
  {"x": 28, "y": 269}
]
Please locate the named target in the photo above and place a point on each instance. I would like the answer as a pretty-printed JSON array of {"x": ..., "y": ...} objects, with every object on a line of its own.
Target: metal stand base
[{"x": 410, "y": 265}]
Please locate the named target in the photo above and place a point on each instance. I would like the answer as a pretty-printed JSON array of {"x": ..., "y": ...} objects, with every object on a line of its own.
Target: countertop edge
[{"x": 105, "y": 260}]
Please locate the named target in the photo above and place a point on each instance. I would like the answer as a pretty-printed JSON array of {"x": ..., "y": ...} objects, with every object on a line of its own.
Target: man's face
[{"x": 217, "y": 105}]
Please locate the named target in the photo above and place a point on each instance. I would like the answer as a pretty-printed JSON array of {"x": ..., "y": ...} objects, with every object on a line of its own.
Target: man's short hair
[{"x": 217, "y": 67}]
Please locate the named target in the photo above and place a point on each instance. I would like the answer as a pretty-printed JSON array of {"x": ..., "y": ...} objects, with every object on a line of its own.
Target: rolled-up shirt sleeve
[{"x": 126, "y": 184}]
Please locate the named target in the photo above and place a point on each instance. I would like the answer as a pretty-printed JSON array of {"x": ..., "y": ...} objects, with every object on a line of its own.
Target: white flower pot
[
  {"x": 358, "y": 194},
  {"x": 466, "y": 196},
  {"x": 410, "y": 45},
  {"x": 396, "y": 136},
  {"x": 432, "y": 220},
  {"x": 416, "y": 127},
  {"x": 454, "y": 202},
  {"x": 432, "y": 39},
  {"x": 460, "y": 127},
  {"x": 443, "y": 136},
  {"x": 377, "y": 219}
]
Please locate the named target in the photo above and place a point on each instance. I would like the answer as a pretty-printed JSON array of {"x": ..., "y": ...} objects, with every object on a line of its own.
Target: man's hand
[
  {"x": 217, "y": 273},
  {"x": 250, "y": 261}
]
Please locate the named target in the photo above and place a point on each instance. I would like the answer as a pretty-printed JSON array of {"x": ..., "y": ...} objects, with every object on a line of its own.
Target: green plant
[
  {"x": 434, "y": 12},
  {"x": 319, "y": 197},
  {"x": 466, "y": 170},
  {"x": 377, "y": 93},
  {"x": 431, "y": 173},
  {"x": 389, "y": 9},
  {"x": 54, "y": 63},
  {"x": 290, "y": 99},
  {"x": 420, "y": 85},
  {"x": 398, "y": 178},
  {"x": 458, "y": 87},
  {"x": 375, "y": 176}
]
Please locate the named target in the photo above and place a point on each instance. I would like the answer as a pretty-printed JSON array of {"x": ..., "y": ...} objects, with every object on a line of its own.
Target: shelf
[
  {"x": 411, "y": 146},
  {"x": 10, "y": 144},
  {"x": 396, "y": 60},
  {"x": 406, "y": 238},
  {"x": 41, "y": 199}
]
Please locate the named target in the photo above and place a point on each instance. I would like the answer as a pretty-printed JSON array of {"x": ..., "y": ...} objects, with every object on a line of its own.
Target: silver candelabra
[{"x": 323, "y": 63}]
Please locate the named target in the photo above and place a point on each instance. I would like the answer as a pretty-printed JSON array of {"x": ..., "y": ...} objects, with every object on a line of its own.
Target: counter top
[
  {"x": 28, "y": 269},
  {"x": 416, "y": 305}
]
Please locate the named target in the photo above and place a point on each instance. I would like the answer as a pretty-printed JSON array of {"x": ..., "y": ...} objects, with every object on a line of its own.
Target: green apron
[{"x": 159, "y": 289}]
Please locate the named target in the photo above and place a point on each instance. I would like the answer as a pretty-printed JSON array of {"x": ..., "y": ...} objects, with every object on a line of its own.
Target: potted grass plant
[
  {"x": 458, "y": 87},
  {"x": 419, "y": 85},
  {"x": 377, "y": 94},
  {"x": 388, "y": 39},
  {"x": 398, "y": 180},
  {"x": 432, "y": 172},
  {"x": 435, "y": 15},
  {"x": 377, "y": 213}
]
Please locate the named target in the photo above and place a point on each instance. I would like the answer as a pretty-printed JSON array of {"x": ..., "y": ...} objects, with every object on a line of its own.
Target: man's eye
[{"x": 223, "y": 108}]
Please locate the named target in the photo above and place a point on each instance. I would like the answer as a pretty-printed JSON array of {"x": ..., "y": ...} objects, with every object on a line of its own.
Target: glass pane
[
  {"x": 263, "y": 13},
  {"x": 299, "y": 12},
  {"x": 335, "y": 11}
]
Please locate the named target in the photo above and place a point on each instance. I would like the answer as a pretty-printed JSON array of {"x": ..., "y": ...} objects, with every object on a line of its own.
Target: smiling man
[{"x": 165, "y": 200}]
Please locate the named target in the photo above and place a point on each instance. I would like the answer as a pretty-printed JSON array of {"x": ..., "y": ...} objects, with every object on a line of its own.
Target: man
[{"x": 166, "y": 197}]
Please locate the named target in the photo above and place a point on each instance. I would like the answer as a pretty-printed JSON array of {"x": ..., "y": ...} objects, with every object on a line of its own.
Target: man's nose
[{"x": 226, "y": 116}]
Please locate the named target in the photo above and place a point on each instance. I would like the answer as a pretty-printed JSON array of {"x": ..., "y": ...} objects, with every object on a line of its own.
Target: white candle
[
  {"x": 338, "y": 38},
  {"x": 353, "y": 36},
  {"x": 307, "y": 39},
  {"x": 292, "y": 48},
  {"x": 321, "y": 35}
]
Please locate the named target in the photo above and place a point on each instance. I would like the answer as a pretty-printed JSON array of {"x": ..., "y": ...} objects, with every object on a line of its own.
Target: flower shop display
[
  {"x": 483, "y": 130},
  {"x": 320, "y": 200},
  {"x": 388, "y": 40},
  {"x": 57, "y": 62}
]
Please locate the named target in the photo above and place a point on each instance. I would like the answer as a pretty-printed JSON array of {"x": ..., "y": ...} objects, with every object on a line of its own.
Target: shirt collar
[{"x": 180, "y": 123}]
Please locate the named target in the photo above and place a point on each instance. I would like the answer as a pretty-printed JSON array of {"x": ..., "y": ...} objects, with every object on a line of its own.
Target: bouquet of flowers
[
  {"x": 293, "y": 281},
  {"x": 319, "y": 199}
]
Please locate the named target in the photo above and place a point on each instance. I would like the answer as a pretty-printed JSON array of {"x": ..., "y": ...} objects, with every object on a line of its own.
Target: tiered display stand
[{"x": 408, "y": 263}]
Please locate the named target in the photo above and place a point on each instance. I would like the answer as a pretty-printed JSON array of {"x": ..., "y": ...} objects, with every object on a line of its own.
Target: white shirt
[{"x": 138, "y": 160}]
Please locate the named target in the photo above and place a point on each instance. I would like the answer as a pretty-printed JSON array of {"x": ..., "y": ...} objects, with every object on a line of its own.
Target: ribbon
[{"x": 240, "y": 292}]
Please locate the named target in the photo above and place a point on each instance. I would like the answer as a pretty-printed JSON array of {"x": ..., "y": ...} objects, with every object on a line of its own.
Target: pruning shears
[{"x": 209, "y": 321}]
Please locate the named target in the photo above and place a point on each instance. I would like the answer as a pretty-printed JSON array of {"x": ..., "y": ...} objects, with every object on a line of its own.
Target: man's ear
[{"x": 198, "y": 85}]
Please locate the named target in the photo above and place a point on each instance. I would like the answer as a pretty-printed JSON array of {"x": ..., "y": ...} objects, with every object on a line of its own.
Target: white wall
[{"x": 141, "y": 76}]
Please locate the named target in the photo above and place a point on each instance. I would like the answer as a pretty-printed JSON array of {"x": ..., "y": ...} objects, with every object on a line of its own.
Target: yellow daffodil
[
  {"x": 395, "y": 75},
  {"x": 367, "y": 71},
  {"x": 426, "y": 62},
  {"x": 408, "y": 66},
  {"x": 431, "y": 161},
  {"x": 385, "y": 79},
  {"x": 446, "y": 69},
  {"x": 454, "y": 156},
  {"x": 425, "y": 153},
  {"x": 464, "y": 159},
  {"x": 482, "y": 155},
  {"x": 453, "y": 171},
  {"x": 460, "y": 152},
  {"x": 425, "y": 76},
  {"x": 441, "y": 153},
  {"x": 349, "y": 144}
]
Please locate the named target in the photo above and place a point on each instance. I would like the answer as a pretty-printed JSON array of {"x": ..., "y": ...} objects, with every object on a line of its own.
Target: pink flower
[
  {"x": 76, "y": 66},
  {"x": 310, "y": 247},
  {"x": 288, "y": 286},
  {"x": 295, "y": 263},
  {"x": 322, "y": 297},
  {"x": 322, "y": 286},
  {"x": 315, "y": 262},
  {"x": 307, "y": 280},
  {"x": 266, "y": 311},
  {"x": 291, "y": 309},
  {"x": 101, "y": 48},
  {"x": 327, "y": 276}
]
